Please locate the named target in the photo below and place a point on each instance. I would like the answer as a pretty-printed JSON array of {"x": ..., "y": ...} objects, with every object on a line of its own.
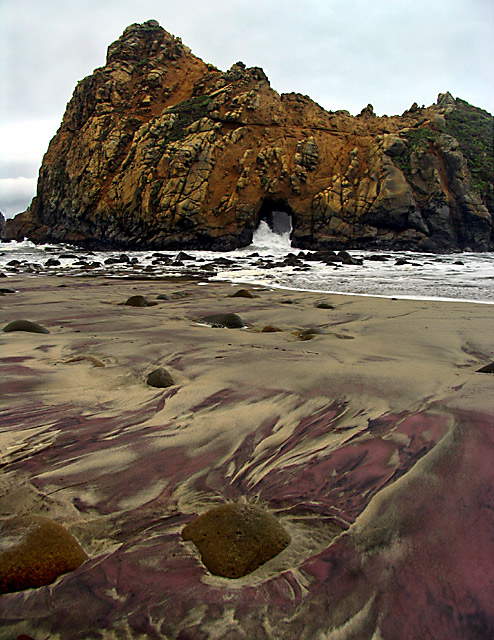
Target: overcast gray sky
[{"x": 342, "y": 53}]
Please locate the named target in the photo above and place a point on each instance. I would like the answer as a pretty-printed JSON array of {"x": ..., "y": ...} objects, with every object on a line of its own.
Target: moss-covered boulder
[
  {"x": 34, "y": 551},
  {"x": 235, "y": 539}
]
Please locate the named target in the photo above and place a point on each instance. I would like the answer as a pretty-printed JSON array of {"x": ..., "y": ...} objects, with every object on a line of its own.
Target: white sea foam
[
  {"x": 460, "y": 276},
  {"x": 265, "y": 240}
]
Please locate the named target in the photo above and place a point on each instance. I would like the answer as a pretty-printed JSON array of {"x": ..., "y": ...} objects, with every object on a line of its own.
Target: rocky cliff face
[{"x": 159, "y": 150}]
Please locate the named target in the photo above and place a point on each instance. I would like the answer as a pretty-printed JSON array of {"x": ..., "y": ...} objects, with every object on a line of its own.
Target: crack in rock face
[{"x": 235, "y": 539}]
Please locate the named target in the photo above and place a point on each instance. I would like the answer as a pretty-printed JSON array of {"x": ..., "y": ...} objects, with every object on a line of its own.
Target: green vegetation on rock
[
  {"x": 474, "y": 130},
  {"x": 419, "y": 139},
  {"x": 187, "y": 111}
]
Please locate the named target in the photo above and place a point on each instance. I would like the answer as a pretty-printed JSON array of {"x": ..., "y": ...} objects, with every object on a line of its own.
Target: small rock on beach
[
  {"x": 24, "y": 325},
  {"x": 224, "y": 320},
  {"x": 308, "y": 334},
  {"x": 160, "y": 378},
  {"x": 243, "y": 293},
  {"x": 139, "y": 301},
  {"x": 269, "y": 328}
]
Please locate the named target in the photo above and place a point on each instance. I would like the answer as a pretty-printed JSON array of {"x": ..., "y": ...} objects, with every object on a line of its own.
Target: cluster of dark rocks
[{"x": 188, "y": 265}]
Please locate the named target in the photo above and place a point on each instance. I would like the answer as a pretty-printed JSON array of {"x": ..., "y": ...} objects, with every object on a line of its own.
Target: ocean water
[{"x": 460, "y": 276}]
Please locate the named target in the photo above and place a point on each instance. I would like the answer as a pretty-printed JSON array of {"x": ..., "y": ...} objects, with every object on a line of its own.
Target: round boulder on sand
[
  {"x": 243, "y": 293},
  {"x": 269, "y": 328},
  {"x": 160, "y": 378},
  {"x": 34, "y": 551},
  {"x": 225, "y": 320},
  {"x": 25, "y": 325},
  {"x": 139, "y": 301},
  {"x": 235, "y": 539}
]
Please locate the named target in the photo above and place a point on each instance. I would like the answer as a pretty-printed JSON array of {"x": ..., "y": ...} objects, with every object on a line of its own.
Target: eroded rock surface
[{"x": 158, "y": 149}]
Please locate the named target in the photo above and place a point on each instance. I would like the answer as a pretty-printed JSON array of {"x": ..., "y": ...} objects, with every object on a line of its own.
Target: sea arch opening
[{"x": 278, "y": 215}]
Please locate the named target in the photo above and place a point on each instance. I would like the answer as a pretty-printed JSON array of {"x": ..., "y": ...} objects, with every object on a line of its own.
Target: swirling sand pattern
[{"x": 372, "y": 452}]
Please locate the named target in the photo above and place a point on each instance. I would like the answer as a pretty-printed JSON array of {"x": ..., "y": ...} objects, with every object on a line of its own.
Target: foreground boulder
[
  {"x": 34, "y": 552},
  {"x": 160, "y": 150},
  {"x": 236, "y": 539}
]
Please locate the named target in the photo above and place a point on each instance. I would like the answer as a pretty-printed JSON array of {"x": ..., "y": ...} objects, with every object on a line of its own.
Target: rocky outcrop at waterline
[{"x": 158, "y": 149}]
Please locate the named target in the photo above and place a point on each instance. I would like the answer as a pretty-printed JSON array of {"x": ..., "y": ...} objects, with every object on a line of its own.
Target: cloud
[
  {"x": 342, "y": 53},
  {"x": 26, "y": 140},
  {"x": 22, "y": 149},
  {"x": 16, "y": 194}
]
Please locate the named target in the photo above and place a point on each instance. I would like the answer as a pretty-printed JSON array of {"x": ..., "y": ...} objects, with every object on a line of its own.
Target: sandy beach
[{"x": 362, "y": 424}]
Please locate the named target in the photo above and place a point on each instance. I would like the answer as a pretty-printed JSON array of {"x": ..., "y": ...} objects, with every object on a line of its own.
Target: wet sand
[{"x": 364, "y": 428}]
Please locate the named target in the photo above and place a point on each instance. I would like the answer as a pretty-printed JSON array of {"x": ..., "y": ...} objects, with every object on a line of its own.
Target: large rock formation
[{"x": 159, "y": 150}]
